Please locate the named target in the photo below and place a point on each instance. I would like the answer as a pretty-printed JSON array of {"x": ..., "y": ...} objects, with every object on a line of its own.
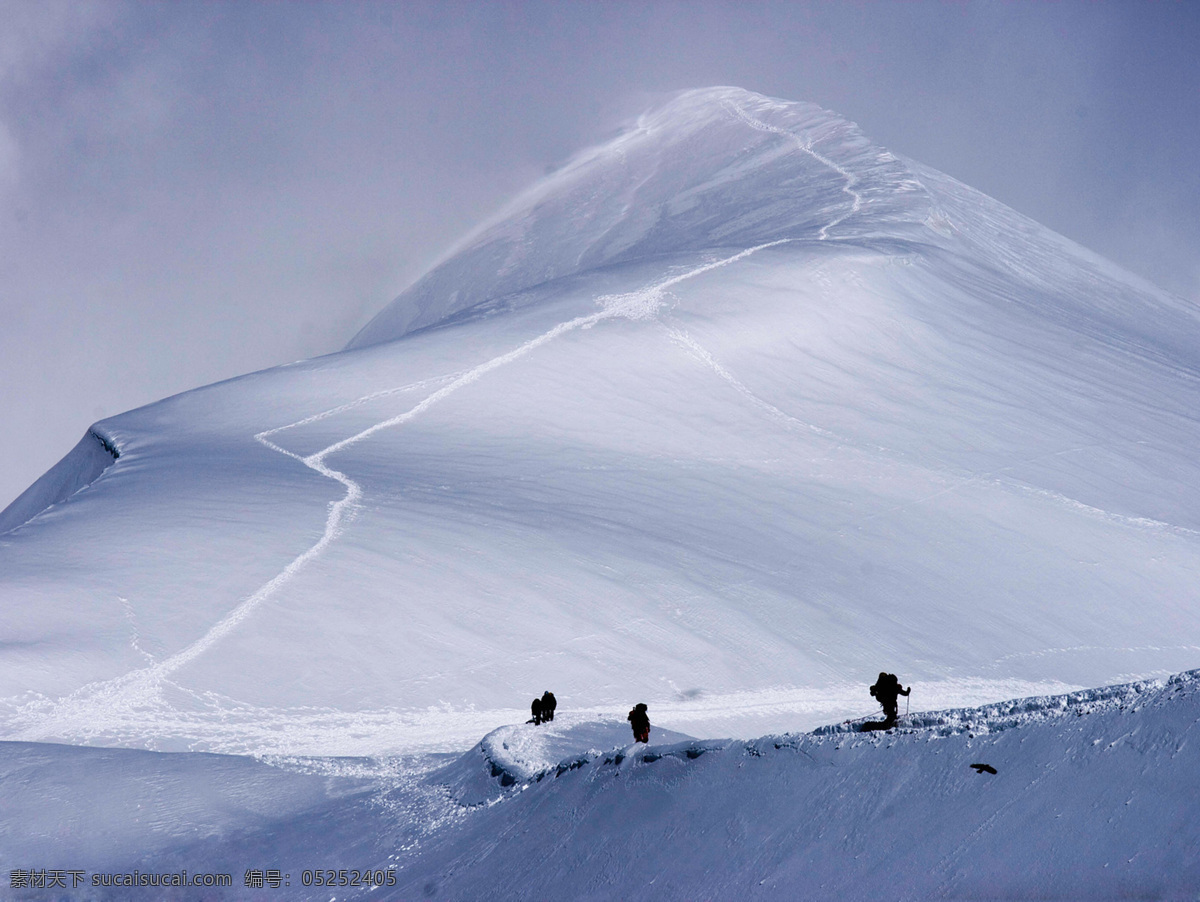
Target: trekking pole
[{"x": 907, "y": 699}]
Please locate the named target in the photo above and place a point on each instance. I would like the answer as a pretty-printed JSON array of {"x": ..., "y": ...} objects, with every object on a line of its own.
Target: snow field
[{"x": 578, "y": 499}]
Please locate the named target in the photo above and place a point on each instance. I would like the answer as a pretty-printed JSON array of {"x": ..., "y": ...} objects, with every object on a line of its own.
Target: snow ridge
[
  {"x": 806, "y": 146},
  {"x": 1006, "y": 715},
  {"x": 690, "y": 177},
  {"x": 81, "y": 467},
  {"x": 507, "y": 751}
]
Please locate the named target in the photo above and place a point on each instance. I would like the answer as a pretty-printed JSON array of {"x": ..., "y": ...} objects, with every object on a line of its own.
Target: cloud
[
  {"x": 9, "y": 157},
  {"x": 35, "y": 33},
  {"x": 37, "y": 37}
]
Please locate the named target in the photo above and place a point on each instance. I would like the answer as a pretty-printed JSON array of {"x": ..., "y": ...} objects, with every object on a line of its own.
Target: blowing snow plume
[{"x": 719, "y": 168}]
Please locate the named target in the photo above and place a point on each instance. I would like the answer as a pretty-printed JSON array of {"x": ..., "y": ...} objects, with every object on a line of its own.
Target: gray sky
[{"x": 191, "y": 191}]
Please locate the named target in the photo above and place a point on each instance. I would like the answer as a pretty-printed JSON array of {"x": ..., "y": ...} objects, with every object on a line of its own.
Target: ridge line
[{"x": 806, "y": 147}]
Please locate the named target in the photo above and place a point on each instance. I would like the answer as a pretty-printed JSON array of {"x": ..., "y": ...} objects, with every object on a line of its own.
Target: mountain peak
[{"x": 716, "y": 167}]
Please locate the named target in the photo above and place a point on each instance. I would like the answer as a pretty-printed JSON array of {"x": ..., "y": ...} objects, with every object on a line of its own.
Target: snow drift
[{"x": 82, "y": 466}]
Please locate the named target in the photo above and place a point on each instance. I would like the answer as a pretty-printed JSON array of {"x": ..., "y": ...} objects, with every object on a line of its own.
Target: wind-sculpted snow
[
  {"x": 94, "y": 454},
  {"x": 805, "y": 144},
  {"x": 713, "y": 169},
  {"x": 520, "y": 754}
]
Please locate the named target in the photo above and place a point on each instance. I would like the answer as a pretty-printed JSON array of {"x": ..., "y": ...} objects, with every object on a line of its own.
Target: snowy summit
[{"x": 725, "y": 416}]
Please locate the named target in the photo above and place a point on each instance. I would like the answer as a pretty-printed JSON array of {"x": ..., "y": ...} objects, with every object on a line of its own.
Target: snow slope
[
  {"x": 82, "y": 466},
  {"x": 1093, "y": 797},
  {"x": 726, "y": 416}
]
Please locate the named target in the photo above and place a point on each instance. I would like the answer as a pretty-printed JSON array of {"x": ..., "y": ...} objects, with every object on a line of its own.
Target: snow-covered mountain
[
  {"x": 714, "y": 169},
  {"x": 726, "y": 416}
]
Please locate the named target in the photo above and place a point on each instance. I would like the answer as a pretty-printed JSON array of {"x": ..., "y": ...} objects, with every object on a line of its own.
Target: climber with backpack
[
  {"x": 639, "y": 719},
  {"x": 886, "y": 691}
]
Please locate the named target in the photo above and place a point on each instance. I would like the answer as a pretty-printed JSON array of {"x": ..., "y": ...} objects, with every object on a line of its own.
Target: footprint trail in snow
[
  {"x": 125, "y": 705},
  {"x": 108, "y": 706}
]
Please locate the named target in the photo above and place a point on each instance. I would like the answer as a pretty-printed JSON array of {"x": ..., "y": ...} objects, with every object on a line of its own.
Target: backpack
[{"x": 885, "y": 682}]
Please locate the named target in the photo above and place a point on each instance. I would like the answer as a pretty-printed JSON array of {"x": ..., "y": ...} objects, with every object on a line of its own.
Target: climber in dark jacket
[
  {"x": 549, "y": 703},
  {"x": 640, "y": 721},
  {"x": 886, "y": 690},
  {"x": 536, "y": 710}
]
